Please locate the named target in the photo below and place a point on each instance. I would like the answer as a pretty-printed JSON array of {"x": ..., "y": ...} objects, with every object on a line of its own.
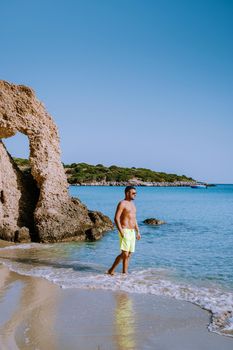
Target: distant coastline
[
  {"x": 137, "y": 183},
  {"x": 83, "y": 174}
]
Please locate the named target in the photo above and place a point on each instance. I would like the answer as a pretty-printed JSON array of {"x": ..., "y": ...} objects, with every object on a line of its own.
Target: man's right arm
[{"x": 118, "y": 213}]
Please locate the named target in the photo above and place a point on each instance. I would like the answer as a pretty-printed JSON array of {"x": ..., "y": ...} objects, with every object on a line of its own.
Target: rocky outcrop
[
  {"x": 154, "y": 222},
  {"x": 38, "y": 205},
  {"x": 101, "y": 224}
]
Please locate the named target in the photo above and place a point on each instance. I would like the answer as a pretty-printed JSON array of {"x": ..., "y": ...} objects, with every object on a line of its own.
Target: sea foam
[{"x": 148, "y": 281}]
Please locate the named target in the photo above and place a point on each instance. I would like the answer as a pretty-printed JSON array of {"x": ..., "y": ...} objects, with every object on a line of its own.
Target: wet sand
[{"x": 36, "y": 314}]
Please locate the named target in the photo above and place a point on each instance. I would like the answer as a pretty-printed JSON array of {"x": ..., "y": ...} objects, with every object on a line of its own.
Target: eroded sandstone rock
[{"x": 40, "y": 203}]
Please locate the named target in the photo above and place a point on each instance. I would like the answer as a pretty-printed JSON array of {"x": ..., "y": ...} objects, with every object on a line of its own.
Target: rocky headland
[
  {"x": 137, "y": 183},
  {"x": 82, "y": 174}
]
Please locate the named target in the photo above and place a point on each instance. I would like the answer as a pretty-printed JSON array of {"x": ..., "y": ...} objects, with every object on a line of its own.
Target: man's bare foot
[{"x": 109, "y": 272}]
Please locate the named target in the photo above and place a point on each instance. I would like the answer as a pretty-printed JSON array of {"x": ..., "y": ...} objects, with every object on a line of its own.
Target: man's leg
[
  {"x": 117, "y": 262},
  {"x": 114, "y": 265},
  {"x": 125, "y": 258},
  {"x": 125, "y": 267}
]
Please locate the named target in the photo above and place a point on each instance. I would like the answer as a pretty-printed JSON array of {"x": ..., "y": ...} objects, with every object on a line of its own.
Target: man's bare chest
[{"x": 129, "y": 211}]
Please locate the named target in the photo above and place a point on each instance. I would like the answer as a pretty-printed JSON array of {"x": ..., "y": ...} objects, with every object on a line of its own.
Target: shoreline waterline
[
  {"x": 44, "y": 315},
  {"x": 157, "y": 282}
]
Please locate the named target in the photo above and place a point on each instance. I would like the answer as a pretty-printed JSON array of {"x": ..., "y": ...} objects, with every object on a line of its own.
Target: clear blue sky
[{"x": 132, "y": 83}]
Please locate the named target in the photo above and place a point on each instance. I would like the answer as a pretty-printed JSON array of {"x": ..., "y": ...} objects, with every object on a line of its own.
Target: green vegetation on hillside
[
  {"x": 86, "y": 173},
  {"x": 83, "y": 172}
]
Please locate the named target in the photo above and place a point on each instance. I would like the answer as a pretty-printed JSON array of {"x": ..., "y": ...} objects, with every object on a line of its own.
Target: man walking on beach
[{"x": 125, "y": 219}]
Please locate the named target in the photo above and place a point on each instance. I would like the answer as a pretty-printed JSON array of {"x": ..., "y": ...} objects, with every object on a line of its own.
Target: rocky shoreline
[
  {"x": 138, "y": 183},
  {"x": 82, "y": 174}
]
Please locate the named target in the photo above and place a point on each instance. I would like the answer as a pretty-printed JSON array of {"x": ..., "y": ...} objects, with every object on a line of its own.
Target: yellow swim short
[{"x": 127, "y": 243}]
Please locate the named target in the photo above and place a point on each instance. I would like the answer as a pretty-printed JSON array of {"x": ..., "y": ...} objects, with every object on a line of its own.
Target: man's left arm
[{"x": 138, "y": 236}]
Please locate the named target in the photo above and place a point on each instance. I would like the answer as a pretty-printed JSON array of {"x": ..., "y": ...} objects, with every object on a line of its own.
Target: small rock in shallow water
[{"x": 153, "y": 221}]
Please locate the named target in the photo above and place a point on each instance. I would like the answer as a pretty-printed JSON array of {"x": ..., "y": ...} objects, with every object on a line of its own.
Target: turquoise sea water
[
  {"x": 189, "y": 257},
  {"x": 196, "y": 242}
]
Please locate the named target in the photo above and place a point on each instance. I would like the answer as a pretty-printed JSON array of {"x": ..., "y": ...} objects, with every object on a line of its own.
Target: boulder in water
[{"x": 153, "y": 222}]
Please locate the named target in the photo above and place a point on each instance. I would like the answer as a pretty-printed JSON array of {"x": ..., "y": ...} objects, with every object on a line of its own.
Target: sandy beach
[{"x": 36, "y": 314}]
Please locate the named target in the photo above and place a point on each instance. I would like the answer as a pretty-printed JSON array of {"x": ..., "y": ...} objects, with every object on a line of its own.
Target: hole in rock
[{"x": 18, "y": 147}]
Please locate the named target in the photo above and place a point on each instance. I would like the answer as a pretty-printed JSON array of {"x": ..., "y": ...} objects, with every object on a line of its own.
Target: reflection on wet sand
[
  {"x": 30, "y": 323},
  {"x": 125, "y": 322}
]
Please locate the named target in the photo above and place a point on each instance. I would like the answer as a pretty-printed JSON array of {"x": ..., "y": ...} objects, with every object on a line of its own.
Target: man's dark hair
[{"x": 128, "y": 188}]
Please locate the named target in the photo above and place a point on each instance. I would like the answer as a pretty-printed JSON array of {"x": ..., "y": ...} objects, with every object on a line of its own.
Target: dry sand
[{"x": 36, "y": 314}]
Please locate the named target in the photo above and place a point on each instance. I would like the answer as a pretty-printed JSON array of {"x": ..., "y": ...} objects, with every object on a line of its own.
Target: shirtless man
[{"x": 125, "y": 219}]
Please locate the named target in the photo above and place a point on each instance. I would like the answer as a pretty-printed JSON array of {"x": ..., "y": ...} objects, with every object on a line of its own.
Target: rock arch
[{"x": 56, "y": 216}]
